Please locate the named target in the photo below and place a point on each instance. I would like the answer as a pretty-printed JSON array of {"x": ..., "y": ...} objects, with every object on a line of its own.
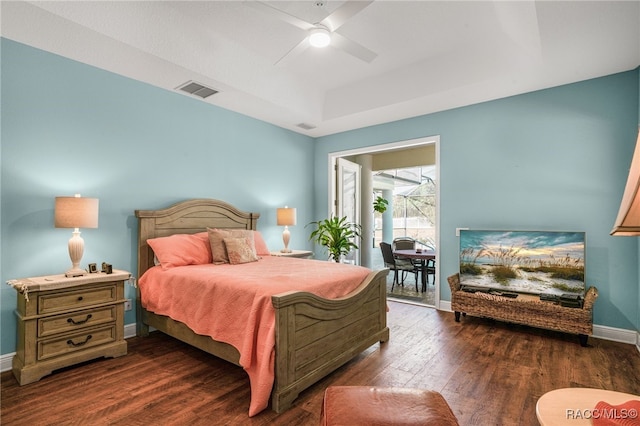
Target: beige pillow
[
  {"x": 240, "y": 250},
  {"x": 216, "y": 241}
]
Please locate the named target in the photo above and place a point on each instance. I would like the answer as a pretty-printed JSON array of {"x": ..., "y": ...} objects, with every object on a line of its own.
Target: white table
[
  {"x": 574, "y": 406},
  {"x": 302, "y": 254}
]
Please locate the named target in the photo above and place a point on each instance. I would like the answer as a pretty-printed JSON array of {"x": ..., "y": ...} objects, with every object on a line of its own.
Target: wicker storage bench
[{"x": 526, "y": 310}]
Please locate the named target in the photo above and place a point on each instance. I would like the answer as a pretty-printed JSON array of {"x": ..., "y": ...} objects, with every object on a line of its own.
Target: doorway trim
[{"x": 409, "y": 143}]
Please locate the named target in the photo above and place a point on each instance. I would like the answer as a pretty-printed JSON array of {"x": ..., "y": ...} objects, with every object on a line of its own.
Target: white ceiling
[{"x": 431, "y": 55}]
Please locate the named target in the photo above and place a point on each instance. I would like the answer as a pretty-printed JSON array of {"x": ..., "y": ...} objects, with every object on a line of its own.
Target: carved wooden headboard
[{"x": 187, "y": 217}]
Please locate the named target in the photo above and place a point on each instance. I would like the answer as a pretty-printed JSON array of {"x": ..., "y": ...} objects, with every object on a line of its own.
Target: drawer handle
[
  {"x": 71, "y": 321},
  {"x": 80, "y": 298},
  {"x": 72, "y": 343}
]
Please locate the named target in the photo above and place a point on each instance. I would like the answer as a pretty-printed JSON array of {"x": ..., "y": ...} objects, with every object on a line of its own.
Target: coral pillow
[
  {"x": 240, "y": 250},
  {"x": 181, "y": 249},
  {"x": 261, "y": 245}
]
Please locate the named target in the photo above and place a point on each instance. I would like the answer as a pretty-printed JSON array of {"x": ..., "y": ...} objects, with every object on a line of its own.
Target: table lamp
[
  {"x": 628, "y": 220},
  {"x": 76, "y": 212},
  {"x": 286, "y": 217}
]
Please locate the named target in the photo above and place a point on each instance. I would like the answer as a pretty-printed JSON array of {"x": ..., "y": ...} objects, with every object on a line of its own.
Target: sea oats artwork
[{"x": 536, "y": 262}]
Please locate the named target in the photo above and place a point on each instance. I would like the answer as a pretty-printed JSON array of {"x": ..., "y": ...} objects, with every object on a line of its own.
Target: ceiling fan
[{"x": 323, "y": 32}]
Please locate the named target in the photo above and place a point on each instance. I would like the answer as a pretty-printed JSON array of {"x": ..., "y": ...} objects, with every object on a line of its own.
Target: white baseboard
[
  {"x": 615, "y": 334},
  {"x": 6, "y": 359},
  {"x": 5, "y": 362},
  {"x": 130, "y": 330}
]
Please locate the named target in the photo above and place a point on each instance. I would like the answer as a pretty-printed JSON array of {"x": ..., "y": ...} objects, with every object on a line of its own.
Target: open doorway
[
  {"x": 393, "y": 162},
  {"x": 409, "y": 195}
]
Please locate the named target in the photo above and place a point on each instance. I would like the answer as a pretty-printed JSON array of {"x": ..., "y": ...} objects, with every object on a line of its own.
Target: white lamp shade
[
  {"x": 76, "y": 212},
  {"x": 286, "y": 216},
  {"x": 628, "y": 220}
]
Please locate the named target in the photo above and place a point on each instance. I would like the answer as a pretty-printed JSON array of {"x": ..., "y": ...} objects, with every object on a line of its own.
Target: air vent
[
  {"x": 306, "y": 126},
  {"x": 197, "y": 89}
]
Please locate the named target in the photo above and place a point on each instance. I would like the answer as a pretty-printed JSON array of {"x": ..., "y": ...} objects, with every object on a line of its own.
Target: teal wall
[
  {"x": 554, "y": 159},
  {"x": 70, "y": 128}
]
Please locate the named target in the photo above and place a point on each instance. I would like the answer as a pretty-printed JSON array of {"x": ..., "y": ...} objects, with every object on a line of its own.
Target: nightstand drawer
[
  {"x": 69, "y": 300},
  {"x": 51, "y": 348},
  {"x": 70, "y": 322}
]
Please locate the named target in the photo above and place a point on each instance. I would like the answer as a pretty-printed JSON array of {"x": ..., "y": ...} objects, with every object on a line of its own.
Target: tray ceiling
[{"x": 431, "y": 56}]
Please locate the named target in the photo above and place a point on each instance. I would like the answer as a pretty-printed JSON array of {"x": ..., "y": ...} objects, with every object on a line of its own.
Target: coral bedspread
[{"x": 232, "y": 304}]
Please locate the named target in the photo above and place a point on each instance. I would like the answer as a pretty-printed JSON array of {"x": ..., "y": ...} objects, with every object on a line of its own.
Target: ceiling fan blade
[
  {"x": 295, "y": 51},
  {"x": 352, "y": 48},
  {"x": 343, "y": 13},
  {"x": 279, "y": 14}
]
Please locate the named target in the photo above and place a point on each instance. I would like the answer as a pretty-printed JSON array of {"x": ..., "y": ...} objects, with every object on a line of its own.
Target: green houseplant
[
  {"x": 380, "y": 204},
  {"x": 337, "y": 235}
]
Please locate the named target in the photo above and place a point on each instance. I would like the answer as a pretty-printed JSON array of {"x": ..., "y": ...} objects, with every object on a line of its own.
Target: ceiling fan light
[{"x": 319, "y": 37}]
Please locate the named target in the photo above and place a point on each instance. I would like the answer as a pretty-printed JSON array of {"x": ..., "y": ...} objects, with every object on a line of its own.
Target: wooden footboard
[{"x": 315, "y": 336}]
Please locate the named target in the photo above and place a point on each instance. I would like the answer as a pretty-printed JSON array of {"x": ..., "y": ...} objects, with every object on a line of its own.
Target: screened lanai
[
  {"x": 411, "y": 212},
  {"x": 411, "y": 197}
]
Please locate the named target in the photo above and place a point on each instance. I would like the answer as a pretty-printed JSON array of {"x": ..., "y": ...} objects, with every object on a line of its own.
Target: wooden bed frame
[{"x": 314, "y": 336}]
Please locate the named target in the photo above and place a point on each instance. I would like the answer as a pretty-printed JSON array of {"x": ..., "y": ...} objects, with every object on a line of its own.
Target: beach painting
[{"x": 533, "y": 262}]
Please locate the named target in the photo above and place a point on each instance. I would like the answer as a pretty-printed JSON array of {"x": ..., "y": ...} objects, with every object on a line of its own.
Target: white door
[{"x": 347, "y": 200}]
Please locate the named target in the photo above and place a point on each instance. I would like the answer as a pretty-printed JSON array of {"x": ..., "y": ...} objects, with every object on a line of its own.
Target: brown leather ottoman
[{"x": 366, "y": 405}]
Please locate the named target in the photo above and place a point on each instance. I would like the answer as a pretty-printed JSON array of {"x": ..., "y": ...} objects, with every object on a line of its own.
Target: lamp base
[
  {"x": 76, "y": 248},
  {"x": 75, "y": 272},
  {"x": 286, "y": 235}
]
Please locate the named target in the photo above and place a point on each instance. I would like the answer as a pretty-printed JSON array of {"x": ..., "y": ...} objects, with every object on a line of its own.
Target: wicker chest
[{"x": 526, "y": 310}]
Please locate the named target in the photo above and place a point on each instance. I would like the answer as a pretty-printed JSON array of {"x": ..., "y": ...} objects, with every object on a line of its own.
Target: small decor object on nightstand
[
  {"x": 76, "y": 212},
  {"x": 63, "y": 321},
  {"x": 286, "y": 217}
]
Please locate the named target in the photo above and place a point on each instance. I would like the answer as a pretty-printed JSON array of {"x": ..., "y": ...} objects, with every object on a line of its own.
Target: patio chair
[
  {"x": 404, "y": 266},
  {"x": 404, "y": 243},
  {"x": 407, "y": 243},
  {"x": 430, "y": 269}
]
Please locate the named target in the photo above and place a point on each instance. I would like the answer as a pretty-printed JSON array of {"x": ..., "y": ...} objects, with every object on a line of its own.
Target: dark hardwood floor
[{"x": 490, "y": 373}]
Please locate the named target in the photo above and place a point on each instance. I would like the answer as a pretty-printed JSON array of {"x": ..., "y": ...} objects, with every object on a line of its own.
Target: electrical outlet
[{"x": 127, "y": 305}]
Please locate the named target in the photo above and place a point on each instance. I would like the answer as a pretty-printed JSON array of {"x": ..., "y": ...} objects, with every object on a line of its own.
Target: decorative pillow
[
  {"x": 181, "y": 249},
  {"x": 240, "y": 250},
  {"x": 216, "y": 241}
]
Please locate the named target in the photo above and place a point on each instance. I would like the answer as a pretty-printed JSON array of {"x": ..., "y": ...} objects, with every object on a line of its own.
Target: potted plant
[
  {"x": 337, "y": 235},
  {"x": 380, "y": 204}
]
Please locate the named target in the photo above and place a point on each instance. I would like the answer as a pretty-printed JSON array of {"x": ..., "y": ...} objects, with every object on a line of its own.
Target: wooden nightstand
[
  {"x": 63, "y": 321},
  {"x": 303, "y": 254}
]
